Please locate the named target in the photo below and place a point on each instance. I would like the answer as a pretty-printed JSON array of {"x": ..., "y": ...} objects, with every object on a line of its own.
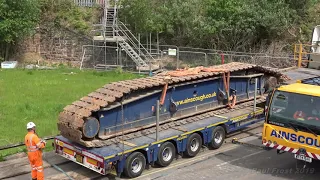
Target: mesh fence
[
  {"x": 105, "y": 56},
  {"x": 89, "y": 3},
  {"x": 172, "y": 57},
  {"x": 191, "y": 57}
]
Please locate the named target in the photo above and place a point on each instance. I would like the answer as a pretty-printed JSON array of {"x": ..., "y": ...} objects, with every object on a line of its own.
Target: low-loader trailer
[{"x": 132, "y": 156}]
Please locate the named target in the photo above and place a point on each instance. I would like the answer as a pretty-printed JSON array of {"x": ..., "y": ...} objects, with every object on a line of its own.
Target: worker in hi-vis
[{"x": 34, "y": 147}]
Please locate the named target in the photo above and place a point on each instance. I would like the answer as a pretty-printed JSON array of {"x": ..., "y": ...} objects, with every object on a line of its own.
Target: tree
[
  {"x": 239, "y": 25},
  {"x": 66, "y": 14},
  {"x": 18, "y": 19},
  {"x": 178, "y": 21},
  {"x": 221, "y": 24}
]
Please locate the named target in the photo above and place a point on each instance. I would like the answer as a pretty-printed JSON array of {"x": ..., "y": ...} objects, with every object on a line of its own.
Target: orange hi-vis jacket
[{"x": 34, "y": 146}]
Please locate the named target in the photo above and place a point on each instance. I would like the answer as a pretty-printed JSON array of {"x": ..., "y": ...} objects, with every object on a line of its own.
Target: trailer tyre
[
  {"x": 166, "y": 154},
  {"x": 135, "y": 165},
  {"x": 194, "y": 144},
  {"x": 218, "y": 136}
]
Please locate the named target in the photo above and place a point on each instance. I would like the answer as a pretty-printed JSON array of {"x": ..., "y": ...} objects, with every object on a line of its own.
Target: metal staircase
[
  {"x": 108, "y": 19},
  {"x": 133, "y": 54},
  {"x": 115, "y": 29}
]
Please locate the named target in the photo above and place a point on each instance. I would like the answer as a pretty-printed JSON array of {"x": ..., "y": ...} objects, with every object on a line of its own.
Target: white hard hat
[{"x": 30, "y": 125}]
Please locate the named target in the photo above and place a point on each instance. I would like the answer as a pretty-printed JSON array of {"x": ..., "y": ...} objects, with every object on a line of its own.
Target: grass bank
[{"x": 39, "y": 96}]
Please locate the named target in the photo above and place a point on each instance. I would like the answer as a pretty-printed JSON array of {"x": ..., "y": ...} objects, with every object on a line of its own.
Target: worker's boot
[{"x": 34, "y": 179}]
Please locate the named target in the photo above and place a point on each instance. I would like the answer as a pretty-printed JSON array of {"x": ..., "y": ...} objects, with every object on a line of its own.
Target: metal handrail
[
  {"x": 301, "y": 51},
  {"x": 144, "y": 63},
  {"x": 135, "y": 46},
  {"x": 123, "y": 29}
]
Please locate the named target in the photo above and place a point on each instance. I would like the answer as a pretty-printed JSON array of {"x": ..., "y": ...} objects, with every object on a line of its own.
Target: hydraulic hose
[{"x": 57, "y": 168}]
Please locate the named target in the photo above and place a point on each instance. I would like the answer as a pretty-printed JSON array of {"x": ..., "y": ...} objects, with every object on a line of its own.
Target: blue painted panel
[
  {"x": 195, "y": 94},
  {"x": 187, "y": 97},
  {"x": 133, "y": 111},
  {"x": 252, "y": 85},
  {"x": 240, "y": 85}
]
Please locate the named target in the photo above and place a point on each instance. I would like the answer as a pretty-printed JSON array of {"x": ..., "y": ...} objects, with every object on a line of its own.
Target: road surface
[
  {"x": 231, "y": 161},
  {"x": 240, "y": 163}
]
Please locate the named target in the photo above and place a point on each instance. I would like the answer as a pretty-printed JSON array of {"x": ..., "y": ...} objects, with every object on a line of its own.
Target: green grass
[{"x": 39, "y": 96}]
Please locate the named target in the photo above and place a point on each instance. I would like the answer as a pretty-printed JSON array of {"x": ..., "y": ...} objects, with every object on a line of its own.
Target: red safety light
[
  {"x": 102, "y": 171},
  {"x": 100, "y": 164}
]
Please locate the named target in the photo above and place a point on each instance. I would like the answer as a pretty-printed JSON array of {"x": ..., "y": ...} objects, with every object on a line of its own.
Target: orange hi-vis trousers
[
  {"x": 34, "y": 144},
  {"x": 35, "y": 159}
]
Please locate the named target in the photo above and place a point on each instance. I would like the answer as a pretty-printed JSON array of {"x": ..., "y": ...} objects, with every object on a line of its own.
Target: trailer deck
[{"x": 103, "y": 159}]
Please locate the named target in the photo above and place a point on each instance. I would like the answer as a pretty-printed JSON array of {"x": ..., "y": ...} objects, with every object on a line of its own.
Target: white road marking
[{"x": 197, "y": 158}]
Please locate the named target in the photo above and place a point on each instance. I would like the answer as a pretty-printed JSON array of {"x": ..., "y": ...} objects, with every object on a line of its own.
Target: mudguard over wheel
[
  {"x": 166, "y": 154},
  {"x": 194, "y": 145},
  {"x": 218, "y": 136},
  {"x": 135, "y": 164}
]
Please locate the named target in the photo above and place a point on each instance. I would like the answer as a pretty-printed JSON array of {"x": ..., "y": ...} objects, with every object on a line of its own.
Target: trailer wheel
[
  {"x": 135, "y": 165},
  {"x": 194, "y": 144},
  {"x": 166, "y": 154},
  {"x": 218, "y": 136}
]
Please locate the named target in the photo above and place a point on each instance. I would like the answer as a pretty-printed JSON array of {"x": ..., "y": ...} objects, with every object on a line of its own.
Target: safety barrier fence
[
  {"x": 207, "y": 57},
  {"x": 89, "y": 3},
  {"x": 173, "y": 57}
]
